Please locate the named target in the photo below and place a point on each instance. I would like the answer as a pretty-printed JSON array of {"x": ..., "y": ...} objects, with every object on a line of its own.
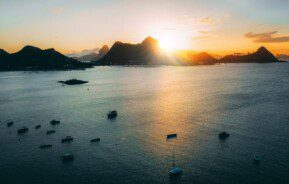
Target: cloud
[
  {"x": 57, "y": 10},
  {"x": 206, "y": 20},
  {"x": 202, "y": 37},
  {"x": 203, "y": 32},
  {"x": 267, "y": 37}
]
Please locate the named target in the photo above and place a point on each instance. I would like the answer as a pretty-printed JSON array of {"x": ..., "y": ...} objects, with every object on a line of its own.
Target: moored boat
[
  {"x": 67, "y": 157},
  {"x": 112, "y": 114},
  {"x": 22, "y": 130},
  {"x": 37, "y": 126},
  {"x": 67, "y": 139},
  {"x": 10, "y": 123},
  {"x": 170, "y": 136},
  {"x": 223, "y": 135},
  {"x": 54, "y": 122},
  {"x": 43, "y": 146},
  {"x": 175, "y": 171},
  {"x": 95, "y": 140},
  {"x": 50, "y": 132},
  {"x": 257, "y": 158}
]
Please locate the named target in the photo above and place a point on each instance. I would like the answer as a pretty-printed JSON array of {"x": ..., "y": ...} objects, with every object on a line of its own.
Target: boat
[
  {"x": 170, "y": 136},
  {"x": 112, "y": 114},
  {"x": 257, "y": 158},
  {"x": 67, "y": 157},
  {"x": 10, "y": 123},
  {"x": 54, "y": 122},
  {"x": 43, "y": 146},
  {"x": 174, "y": 171},
  {"x": 223, "y": 135},
  {"x": 95, "y": 140},
  {"x": 37, "y": 126},
  {"x": 67, "y": 139},
  {"x": 50, "y": 132},
  {"x": 22, "y": 130}
]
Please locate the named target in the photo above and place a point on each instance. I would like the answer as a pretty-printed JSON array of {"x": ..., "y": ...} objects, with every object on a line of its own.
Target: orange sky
[{"x": 221, "y": 27}]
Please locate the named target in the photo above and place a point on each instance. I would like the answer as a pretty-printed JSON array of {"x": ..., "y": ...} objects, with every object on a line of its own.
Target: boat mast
[{"x": 173, "y": 157}]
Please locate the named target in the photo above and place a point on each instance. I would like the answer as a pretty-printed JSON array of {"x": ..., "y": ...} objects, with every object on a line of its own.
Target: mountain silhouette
[
  {"x": 262, "y": 55},
  {"x": 194, "y": 58},
  {"x": 31, "y": 57},
  {"x": 94, "y": 56},
  {"x": 145, "y": 53},
  {"x": 3, "y": 53}
]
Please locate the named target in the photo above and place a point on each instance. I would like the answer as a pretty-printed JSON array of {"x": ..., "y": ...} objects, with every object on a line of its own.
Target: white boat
[
  {"x": 67, "y": 157},
  {"x": 257, "y": 158},
  {"x": 174, "y": 171}
]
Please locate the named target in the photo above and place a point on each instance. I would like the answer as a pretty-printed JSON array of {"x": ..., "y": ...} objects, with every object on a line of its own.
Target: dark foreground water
[{"x": 250, "y": 101}]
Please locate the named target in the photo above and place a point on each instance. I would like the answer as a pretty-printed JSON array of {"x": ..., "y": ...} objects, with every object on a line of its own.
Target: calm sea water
[{"x": 250, "y": 101}]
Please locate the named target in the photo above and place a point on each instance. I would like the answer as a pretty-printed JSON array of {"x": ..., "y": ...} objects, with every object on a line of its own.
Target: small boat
[
  {"x": 67, "y": 139},
  {"x": 10, "y": 123},
  {"x": 175, "y": 171},
  {"x": 67, "y": 157},
  {"x": 37, "y": 126},
  {"x": 95, "y": 140},
  {"x": 112, "y": 114},
  {"x": 256, "y": 158},
  {"x": 22, "y": 130},
  {"x": 54, "y": 122},
  {"x": 170, "y": 136},
  {"x": 223, "y": 135},
  {"x": 50, "y": 132},
  {"x": 43, "y": 146}
]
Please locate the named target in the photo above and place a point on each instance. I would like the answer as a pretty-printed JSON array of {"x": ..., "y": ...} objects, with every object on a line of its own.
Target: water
[{"x": 250, "y": 101}]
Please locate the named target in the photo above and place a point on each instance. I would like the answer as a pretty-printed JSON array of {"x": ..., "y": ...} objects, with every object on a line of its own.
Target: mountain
[
  {"x": 283, "y": 57},
  {"x": 83, "y": 53},
  {"x": 94, "y": 56},
  {"x": 88, "y": 57},
  {"x": 262, "y": 55},
  {"x": 34, "y": 58},
  {"x": 145, "y": 53},
  {"x": 194, "y": 58},
  {"x": 102, "y": 52},
  {"x": 3, "y": 53}
]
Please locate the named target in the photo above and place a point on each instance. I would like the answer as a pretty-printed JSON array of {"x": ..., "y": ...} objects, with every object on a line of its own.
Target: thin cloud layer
[{"x": 267, "y": 37}]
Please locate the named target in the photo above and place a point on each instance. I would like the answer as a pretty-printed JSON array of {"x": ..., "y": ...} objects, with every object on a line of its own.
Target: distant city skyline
[{"x": 221, "y": 27}]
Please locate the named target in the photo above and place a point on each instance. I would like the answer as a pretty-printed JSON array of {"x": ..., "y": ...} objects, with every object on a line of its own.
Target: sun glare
[
  {"x": 170, "y": 42},
  {"x": 166, "y": 44}
]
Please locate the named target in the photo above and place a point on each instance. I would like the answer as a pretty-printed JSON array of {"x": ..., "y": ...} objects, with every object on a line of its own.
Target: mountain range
[
  {"x": 145, "y": 53},
  {"x": 148, "y": 52},
  {"x": 94, "y": 56},
  {"x": 30, "y": 57}
]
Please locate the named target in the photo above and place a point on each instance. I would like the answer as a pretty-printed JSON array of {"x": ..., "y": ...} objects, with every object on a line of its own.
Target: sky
[{"x": 219, "y": 26}]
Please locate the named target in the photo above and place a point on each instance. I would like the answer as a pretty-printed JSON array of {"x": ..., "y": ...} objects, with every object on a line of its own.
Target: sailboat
[{"x": 174, "y": 171}]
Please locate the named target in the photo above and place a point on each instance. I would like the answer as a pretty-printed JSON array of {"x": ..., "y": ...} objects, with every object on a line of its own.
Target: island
[{"x": 73, "y": 82}]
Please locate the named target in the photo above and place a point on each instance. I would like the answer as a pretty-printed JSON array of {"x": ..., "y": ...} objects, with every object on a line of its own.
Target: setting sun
[
  {"x": 166, "y": 43},
  {"x": 170, "y": 41}
]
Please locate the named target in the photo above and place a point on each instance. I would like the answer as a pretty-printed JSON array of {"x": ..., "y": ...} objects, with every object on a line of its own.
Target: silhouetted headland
[
  {"x": 33, "y": 58},
  {"x": 262, "y": 55}
]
